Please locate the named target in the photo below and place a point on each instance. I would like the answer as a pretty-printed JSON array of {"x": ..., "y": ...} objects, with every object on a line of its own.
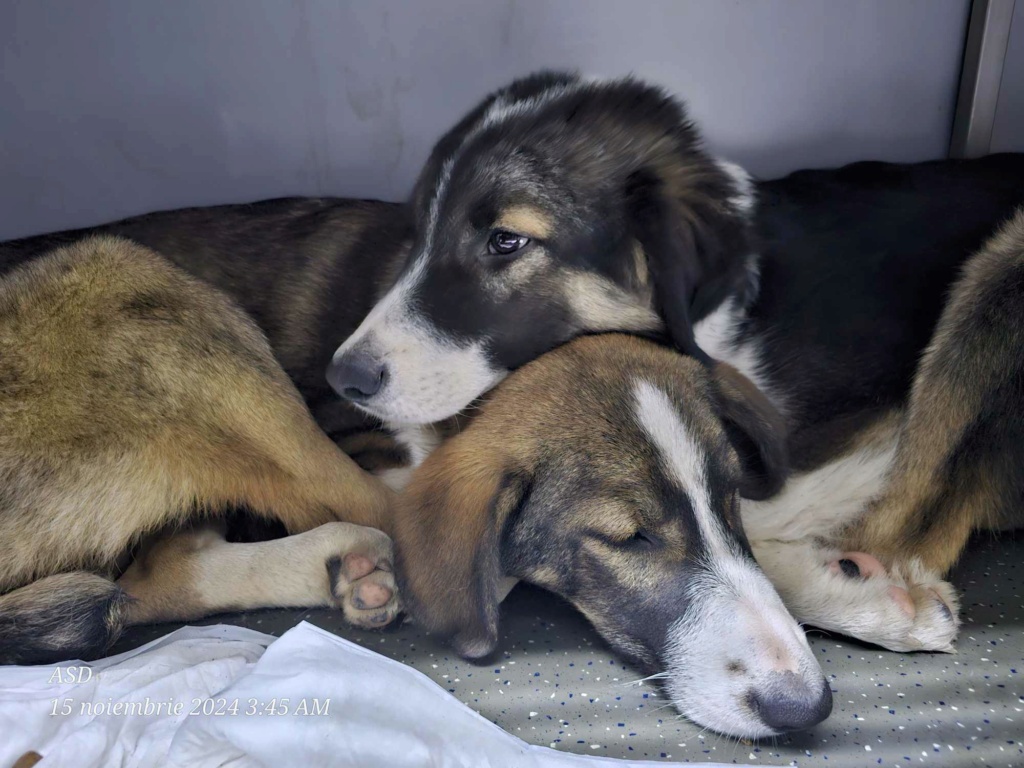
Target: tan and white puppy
[{"x": 609, "y": 471}]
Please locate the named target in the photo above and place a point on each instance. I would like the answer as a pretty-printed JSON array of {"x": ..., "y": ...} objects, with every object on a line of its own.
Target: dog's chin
[
  {"x": 396, "y": 415},
  {"x": 399, "y": 411}
]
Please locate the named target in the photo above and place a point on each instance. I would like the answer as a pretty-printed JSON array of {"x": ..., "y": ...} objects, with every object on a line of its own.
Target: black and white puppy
[{"x": 557, "y": 207}]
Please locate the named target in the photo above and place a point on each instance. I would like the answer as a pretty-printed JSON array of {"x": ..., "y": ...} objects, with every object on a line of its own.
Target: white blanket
[{"x": 227, "y": 696}]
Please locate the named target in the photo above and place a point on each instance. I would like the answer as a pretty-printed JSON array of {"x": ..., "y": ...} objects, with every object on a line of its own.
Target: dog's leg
[
  {"x": 905, "y": 609},
  {"x": 193, "y": 574},
  {"x": 70, "y": 615},
  {"x": 303, "y": 479},
  {"x": 795, "y": 537},
  {"x": 958, "y": 468},
  {"x": 147, "y": 401}
]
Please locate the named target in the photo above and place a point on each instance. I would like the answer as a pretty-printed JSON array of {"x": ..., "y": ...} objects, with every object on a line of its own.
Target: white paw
[
  {"x": 362, "y": 578},
  {"x": 904, "y": 608}
]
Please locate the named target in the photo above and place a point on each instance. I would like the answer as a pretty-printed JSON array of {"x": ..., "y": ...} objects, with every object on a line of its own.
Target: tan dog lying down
[
  {"x": 605, "y": 471},
  {"x": 134, "y": 398}
]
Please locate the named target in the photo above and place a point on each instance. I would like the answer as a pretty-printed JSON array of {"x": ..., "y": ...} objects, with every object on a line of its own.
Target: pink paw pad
[
  {"x": 357, "y": 566},
  {"x": 371, "y": 595},
  {"x": 903, "y": 599},
  {"x": 857, "y": 565}
]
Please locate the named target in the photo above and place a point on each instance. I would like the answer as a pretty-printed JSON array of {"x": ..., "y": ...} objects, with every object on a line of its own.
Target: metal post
[{"x": 987, "y": 35}]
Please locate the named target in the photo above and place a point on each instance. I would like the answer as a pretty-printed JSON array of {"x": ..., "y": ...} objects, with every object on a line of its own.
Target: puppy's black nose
[
  {"x": 357, "y": 376},
  {"x": 787, "y": 703}
]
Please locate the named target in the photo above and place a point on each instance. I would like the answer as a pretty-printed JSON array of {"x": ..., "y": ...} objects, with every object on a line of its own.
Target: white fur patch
[
  {"x": 419, "y": 441},
  {"x": 820, "y": 502},
  {"x": 745, "y": 197},
  {"x": 865, "y": 608},
  {"x": 718, "y": 335},
  {"x": 685, "y": 459},
  {"x": 788, "y": 534},
  {"x": 430, "y": 377},
  {"x": 503, "y": 110},
  {"x": 734, "y": 614}
]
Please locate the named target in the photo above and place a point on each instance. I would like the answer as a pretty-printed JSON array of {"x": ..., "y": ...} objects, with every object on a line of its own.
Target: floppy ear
[
  {"x": 756, "y": 430},
  {"x": 696, "y": 245},
  {"x": 448, "y": 531}
]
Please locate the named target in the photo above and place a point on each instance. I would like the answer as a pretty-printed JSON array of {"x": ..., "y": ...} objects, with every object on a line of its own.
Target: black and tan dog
[
  {"x": 606, "y": 472},
  {"x": 134, "y": 399},
  {"x": 853, "y": 298}
]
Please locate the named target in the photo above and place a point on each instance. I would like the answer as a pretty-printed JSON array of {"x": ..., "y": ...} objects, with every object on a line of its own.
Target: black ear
[
  {"x": 757, "y": 432},
  {"x": 696, "y": 243},
  {"x": 448, "y": 530}
]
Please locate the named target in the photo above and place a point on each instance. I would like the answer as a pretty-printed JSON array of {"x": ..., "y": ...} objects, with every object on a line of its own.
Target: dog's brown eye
[{"x": 503, "y": 243}]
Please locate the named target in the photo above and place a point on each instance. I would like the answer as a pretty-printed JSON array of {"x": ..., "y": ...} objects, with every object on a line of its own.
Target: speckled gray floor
[{"x": 554, "y": 682}]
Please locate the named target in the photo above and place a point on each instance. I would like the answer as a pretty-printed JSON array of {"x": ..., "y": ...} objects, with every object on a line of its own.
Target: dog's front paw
[
  {"x": 362, "y": 579},
  {"x": 909, "y": 608},
  {"x": 903, "y": 608}
]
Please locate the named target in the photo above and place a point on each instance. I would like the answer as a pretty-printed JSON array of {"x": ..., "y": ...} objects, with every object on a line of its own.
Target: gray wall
[
  {"x": 1008, "y": 126},
  {"x": 114, "y": 107}
]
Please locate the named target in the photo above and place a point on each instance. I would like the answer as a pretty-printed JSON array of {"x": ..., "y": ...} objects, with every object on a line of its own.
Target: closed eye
[
  {"x": 503, "y": 243},
  {"x": 639, "y": 538}
]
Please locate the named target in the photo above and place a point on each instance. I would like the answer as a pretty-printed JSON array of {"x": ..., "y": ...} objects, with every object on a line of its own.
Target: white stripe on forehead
[
  {"x": 684, "y": 458},
  {"x": 501, "y": 111},
  {"x": 435, "y": 204}
]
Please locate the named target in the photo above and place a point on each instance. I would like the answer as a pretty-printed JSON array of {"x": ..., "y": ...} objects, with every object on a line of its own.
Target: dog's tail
[{"x": 74, "y": 615}]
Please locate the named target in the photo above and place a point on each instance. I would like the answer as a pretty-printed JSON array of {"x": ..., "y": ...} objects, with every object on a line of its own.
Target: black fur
[
  {"x": 340, "y": 255},
  {"x": 856, "y": 265},
  {"x": 652, "y": 183},
  {"x": 70, "y": 616}
]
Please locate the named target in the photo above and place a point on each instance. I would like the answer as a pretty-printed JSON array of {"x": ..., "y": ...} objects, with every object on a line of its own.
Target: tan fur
[
  {"x": 641, "y": 271},
  {"x": 951, "y": 386},
  {"x": 601, "y": 305},
  {"x": 27, "y": 760},
  {"x": 134, "y": 397},
  {"x": 564, "y": 416},
  {"x": 527, "y": 220},
  {"x": 443, "y": 523},
  {"x": 189, "y": 575}
]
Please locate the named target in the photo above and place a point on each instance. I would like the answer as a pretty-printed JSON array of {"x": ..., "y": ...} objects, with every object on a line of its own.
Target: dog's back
[
  {"x": 306, "y": 270},
  {"x": 134, "y": 396},
  {"x": 103, "y": 343}
]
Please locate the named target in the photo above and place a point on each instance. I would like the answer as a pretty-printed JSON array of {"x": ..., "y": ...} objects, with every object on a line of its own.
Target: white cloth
[{"x": 309, "y": 698}]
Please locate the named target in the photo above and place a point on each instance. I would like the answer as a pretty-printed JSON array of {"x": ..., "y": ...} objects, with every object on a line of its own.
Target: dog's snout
[
  {"x": 357, "y": 376},
  {"x": 785, "y": 702}
]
